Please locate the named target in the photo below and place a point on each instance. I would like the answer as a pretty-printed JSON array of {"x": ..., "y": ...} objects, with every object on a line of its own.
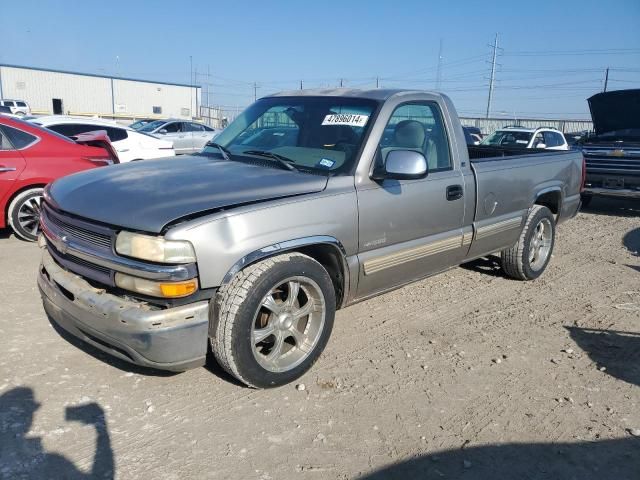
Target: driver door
[
  {"x": 409, "y": 229},
  {"x": 181, "y": 139}
]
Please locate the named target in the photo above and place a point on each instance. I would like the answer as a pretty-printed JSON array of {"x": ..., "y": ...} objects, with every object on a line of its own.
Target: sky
[{"x": 552, "y": 56}]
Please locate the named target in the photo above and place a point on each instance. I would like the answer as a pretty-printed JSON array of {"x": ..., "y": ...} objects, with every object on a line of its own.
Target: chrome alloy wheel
[
  {"x": 29, "y": 215},
  {"x": 540, "y": 244},
  {"x": 288, "y": 324}
]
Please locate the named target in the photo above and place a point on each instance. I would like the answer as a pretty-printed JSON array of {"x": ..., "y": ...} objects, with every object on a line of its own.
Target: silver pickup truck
[{"x": 308, "y": 202}]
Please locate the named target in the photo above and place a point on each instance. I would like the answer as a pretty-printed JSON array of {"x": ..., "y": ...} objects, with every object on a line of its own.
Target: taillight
[
  {"x": 584, "y": 174},
  {"x": 103, "y": 160}
]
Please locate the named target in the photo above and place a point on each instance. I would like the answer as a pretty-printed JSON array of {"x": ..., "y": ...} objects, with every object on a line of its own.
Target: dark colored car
[{"x": 612, "y": 154}]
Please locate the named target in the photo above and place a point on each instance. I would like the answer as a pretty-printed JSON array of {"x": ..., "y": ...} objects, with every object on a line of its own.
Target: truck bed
[{"x": 486, "y": 152}]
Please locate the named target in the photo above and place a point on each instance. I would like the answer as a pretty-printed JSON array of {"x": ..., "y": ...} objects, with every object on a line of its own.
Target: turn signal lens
[
  {"x": 173, "y": 290},
  {"x": 156, "y": 289}
]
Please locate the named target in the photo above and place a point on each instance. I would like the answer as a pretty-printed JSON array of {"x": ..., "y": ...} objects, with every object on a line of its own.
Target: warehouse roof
[{"x": 98, "y": 76}]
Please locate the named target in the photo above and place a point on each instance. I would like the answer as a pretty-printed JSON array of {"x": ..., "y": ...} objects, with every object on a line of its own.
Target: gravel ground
[{"x": 464, "y": 375}]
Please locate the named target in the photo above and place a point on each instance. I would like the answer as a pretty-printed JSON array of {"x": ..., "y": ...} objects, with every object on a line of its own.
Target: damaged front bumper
[{"x": 169, "y": 339}]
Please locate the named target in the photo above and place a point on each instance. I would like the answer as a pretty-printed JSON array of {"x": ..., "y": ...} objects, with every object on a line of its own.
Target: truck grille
[
  {"x": 90, "y": 235},
  {"x": 94, "y": 237},
  {"x": 608, "y": 161}
]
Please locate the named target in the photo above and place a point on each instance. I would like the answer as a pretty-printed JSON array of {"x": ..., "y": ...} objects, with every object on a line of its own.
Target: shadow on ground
[
  {"x": 616, "y": 207},
  {"x": 23, "y": 456},
  {"x": 617, "y": 352},
  {"x": 489, "y": 265},
  {"x": 631, "y": 241},
  {"x": 611, "y": 459}
]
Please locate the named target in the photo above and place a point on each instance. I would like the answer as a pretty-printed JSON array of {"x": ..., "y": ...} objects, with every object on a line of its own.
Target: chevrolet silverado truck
[
  {"x": 613, "y": 154},
  {"x": 310, "y": 201}
]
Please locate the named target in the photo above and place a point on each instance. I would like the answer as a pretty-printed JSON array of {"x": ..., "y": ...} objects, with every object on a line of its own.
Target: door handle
[
  {"x": 454, "y": 192},
  {"x": 7, "y": 169}
]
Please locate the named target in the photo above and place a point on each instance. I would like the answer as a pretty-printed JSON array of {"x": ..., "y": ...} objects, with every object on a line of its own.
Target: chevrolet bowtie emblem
[
  {"x": 64, "y": 245},
  {"x": 617, "y": 153}
]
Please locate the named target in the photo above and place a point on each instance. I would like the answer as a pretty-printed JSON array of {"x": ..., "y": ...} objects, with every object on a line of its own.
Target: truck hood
[
  {"x": 616, "y": 110},
  {"x": 149, "y": 194}
]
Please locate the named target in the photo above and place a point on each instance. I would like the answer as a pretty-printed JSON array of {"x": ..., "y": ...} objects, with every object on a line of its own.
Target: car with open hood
[{"x": 612, "y": 153}]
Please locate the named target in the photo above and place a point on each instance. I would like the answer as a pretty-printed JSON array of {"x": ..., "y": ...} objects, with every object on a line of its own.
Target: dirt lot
[{"x": 465, "y": 375}]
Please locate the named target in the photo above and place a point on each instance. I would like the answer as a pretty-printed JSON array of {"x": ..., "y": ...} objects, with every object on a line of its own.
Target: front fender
[{"x": 226, "y": 242}]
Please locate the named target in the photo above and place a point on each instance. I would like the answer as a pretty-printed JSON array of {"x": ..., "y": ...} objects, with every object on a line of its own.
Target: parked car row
[
  {"x": 30, "y": 158},
  {"x": 130, "y": 144}
]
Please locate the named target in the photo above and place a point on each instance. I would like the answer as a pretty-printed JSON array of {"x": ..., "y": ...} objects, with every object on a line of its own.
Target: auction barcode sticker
[{"x": 346, "y": 119}]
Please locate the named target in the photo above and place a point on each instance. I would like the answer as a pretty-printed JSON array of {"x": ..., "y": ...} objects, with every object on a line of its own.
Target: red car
[{"x": 31, "y": 157}]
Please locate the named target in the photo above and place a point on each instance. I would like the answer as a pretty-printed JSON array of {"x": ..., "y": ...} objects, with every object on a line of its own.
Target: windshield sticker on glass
[
  {"x": 349, "y": 119},
  {"x": 326, "y": 163},
  {"x": 522, "y": 141}
]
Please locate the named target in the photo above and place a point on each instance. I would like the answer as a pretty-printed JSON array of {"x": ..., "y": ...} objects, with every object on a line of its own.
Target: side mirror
[
  {"x": 162, "y": 131},
  {"x": 541, "y": 145},
  {"x": 404, "y": 165}
]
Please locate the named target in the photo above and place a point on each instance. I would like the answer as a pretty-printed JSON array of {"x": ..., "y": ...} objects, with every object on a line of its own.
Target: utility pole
[
  {"x": 439, "y": 70},
  {"x": 208, "y": 86},
  {"x": 606, "y": 79},
  {"x": 300, "y": 84},
  {"x": 191, "y": 82},
  {"x": 493, "y": 74},
  {"x": 377, "y": 82},
  {"x": 255, "y": 91},
  {"x": 340, "y": 83}
]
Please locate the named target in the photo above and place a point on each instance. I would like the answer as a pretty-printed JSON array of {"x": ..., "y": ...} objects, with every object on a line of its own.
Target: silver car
[{"x": 187, "y": 137}]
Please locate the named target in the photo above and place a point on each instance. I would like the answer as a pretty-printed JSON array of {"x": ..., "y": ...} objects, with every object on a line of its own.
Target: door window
[
  {"x": 173, "y": 127},
  {"x": 193, "y": 127},
  {"x": 419, "y": 127},
  {"x": 538, "y": 140},
  {"x": 550, "y": 139}
]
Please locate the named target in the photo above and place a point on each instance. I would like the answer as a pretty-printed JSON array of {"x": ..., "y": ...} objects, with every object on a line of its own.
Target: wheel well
[
  {"x": 551, "y": 200},
  {"x": 330, "y": 258},
  {"x": 15, "y": 194}
]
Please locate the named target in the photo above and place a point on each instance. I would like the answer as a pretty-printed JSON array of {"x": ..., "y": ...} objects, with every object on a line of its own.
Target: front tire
[
  {"x": 24, "y": 214},
  {"x": 274, "y": 320},
  {"x": 528, "y": 258}
]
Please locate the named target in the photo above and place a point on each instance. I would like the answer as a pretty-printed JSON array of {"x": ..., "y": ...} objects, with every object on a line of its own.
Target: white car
[
  {"x": 129, "y": 143},
  {"x": 17, "y": 107},
  {"x": 520, "y": 137}
]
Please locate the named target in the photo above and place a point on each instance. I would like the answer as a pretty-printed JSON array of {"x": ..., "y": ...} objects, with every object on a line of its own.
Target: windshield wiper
[
  {"x": 226, "y": 154},
  {"x": 281, "y": 159}
]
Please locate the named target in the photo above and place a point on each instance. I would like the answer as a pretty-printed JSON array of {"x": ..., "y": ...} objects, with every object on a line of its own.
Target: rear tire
[
  {"x": 528, "y": 258},
  {"x": 273, "y": 320},
  {"x": 24, "y": 214}
]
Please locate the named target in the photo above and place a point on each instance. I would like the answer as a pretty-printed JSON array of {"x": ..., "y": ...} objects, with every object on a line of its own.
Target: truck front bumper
[
  {"x": 170, "y": 339},
  {"x": 612, "y": 192}
]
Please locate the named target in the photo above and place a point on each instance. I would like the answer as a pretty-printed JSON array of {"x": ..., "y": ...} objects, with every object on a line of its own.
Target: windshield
[
  {"x": 323, "y": 134},
  {"x": 508, "y": 138},
  {"x": 150, "y": 127},
  {"x": 139, "y": 124}
]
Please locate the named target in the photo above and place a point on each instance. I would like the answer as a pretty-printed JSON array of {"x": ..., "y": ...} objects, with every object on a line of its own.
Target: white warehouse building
[{"x": 60, "y": 92}]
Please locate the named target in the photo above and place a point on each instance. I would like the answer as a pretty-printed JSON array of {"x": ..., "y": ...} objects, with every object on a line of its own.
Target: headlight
[
  {"x": 155, "y": 249},
  {"x": 156, "y": 289}
]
